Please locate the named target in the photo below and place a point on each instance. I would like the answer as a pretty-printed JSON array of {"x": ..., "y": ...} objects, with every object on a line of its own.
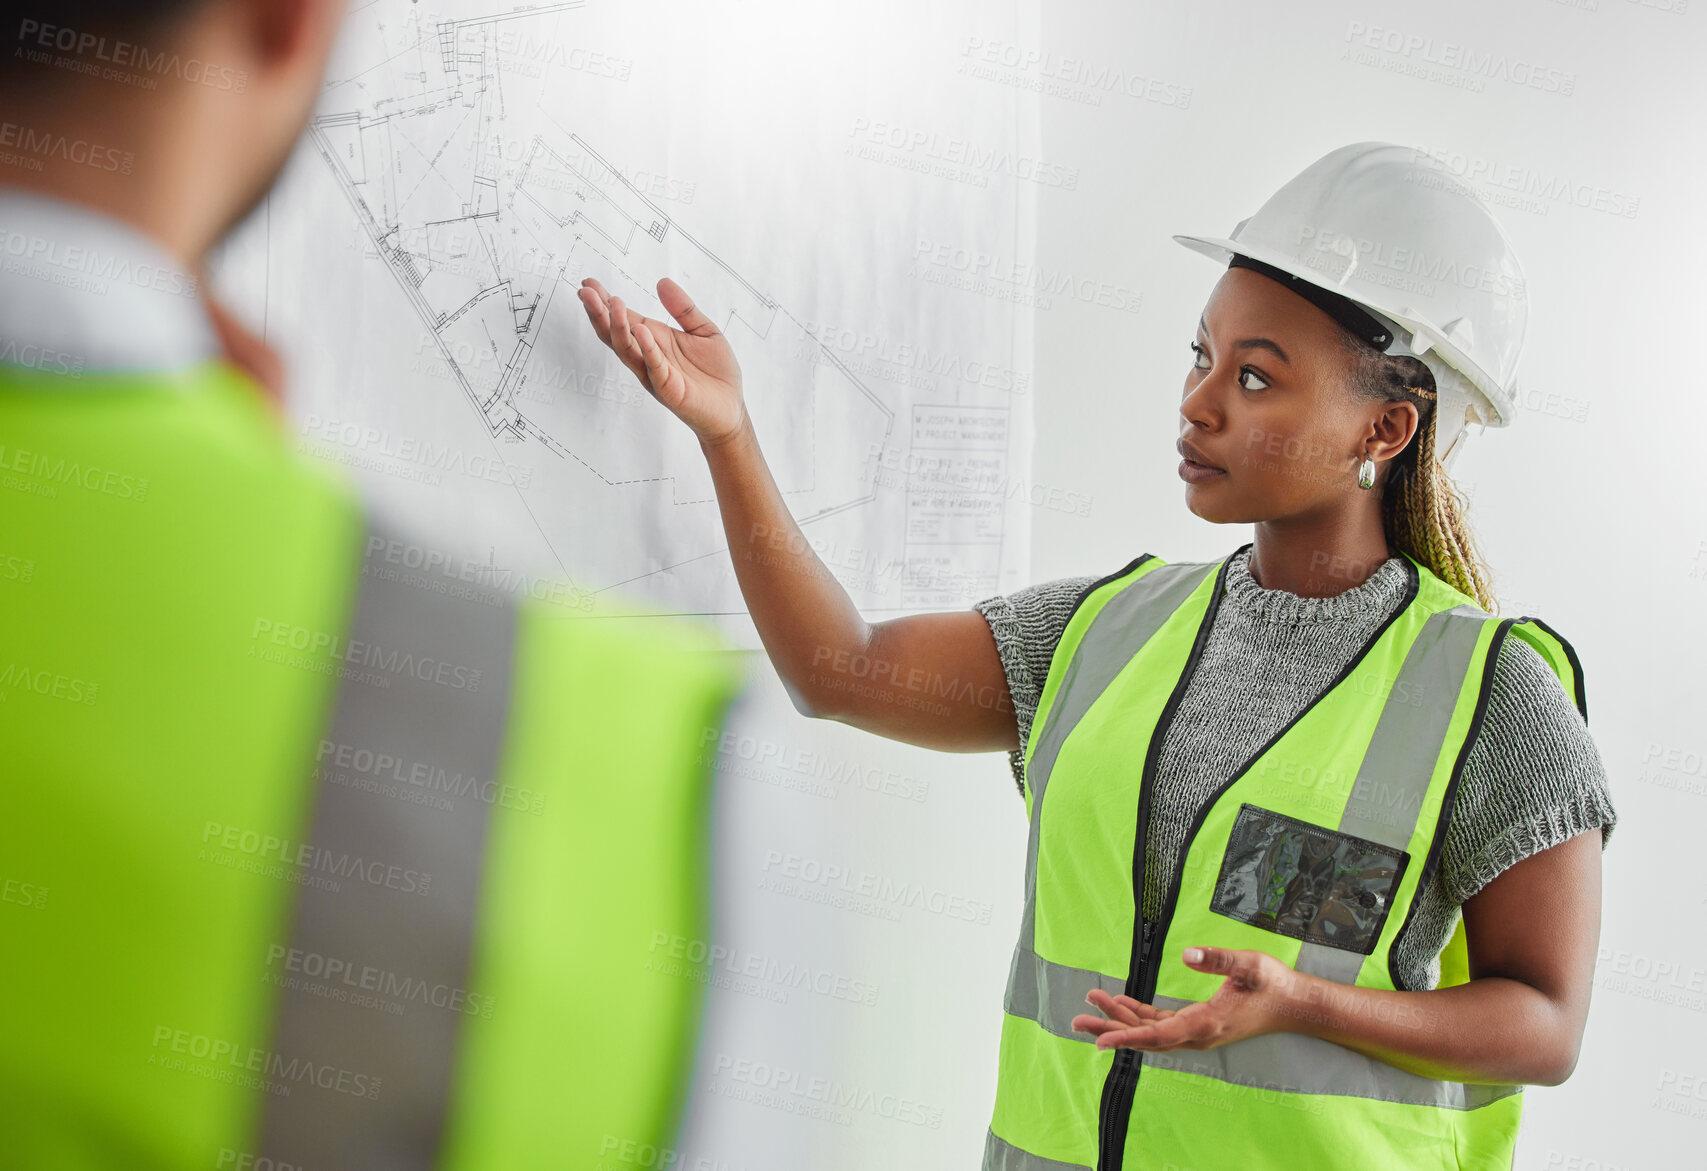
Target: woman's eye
[{"x": 1201, "y": 358}]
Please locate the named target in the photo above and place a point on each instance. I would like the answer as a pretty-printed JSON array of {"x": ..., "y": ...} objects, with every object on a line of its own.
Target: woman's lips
[{"x": 1195, "y": 473}]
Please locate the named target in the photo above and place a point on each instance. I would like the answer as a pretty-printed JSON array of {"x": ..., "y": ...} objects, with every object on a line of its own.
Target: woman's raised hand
[
  {"x": 810, "y": 626},
  {"x": 691, "y": 370}
]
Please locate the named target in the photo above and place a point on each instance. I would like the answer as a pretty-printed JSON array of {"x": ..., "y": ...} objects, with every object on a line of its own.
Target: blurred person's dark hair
[
  {"x": 43, "y": 25},
  {"x": 93, "y": 15},
  {"x": 207, "y": 140}
]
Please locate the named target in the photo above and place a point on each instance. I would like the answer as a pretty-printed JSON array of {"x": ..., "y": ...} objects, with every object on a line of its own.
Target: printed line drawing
[{"x": 487, "y": 210}]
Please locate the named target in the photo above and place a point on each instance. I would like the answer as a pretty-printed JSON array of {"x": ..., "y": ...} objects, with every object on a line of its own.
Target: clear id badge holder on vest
[{"x": 1306, "y": 881}]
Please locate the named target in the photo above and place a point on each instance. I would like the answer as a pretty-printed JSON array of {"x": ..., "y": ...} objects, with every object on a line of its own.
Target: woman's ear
[{"x": 1396, "y": 425}]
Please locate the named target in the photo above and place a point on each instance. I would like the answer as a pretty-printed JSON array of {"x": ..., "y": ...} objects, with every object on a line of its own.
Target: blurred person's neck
[{"x": 170, "y": 193}]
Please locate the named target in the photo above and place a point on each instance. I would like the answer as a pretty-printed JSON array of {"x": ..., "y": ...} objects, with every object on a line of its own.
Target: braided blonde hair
[{"x": 1422, "y": 510}]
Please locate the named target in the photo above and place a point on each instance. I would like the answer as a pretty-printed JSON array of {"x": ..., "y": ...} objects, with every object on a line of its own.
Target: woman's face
[{"x": 1269, "y": 403}]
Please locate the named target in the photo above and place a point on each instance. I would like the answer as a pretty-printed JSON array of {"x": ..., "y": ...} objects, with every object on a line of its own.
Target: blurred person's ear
[{"x": 285, "y": 46}]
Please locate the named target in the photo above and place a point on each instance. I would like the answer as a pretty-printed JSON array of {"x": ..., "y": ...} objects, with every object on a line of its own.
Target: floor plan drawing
[{"x": 486, "y": 197}]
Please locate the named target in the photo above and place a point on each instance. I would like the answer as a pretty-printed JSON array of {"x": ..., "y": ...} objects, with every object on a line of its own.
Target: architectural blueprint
[{"x": 469, "y": 163}]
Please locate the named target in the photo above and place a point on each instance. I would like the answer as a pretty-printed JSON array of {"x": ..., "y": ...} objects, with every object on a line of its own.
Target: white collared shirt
[{"x": 84, "y": 292}]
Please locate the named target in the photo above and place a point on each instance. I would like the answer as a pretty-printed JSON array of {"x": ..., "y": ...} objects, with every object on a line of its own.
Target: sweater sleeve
[
  {"x": 1027, "y": 625},
  {"x": 1533, "y": 779}
]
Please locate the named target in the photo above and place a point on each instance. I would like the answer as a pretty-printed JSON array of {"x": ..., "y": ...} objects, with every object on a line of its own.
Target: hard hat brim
[
  {"x": 1221, "y": 250},
  {"x": 1217, "y": 248}
]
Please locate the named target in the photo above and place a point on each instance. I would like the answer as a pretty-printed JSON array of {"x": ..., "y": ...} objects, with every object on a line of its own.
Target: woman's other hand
[
  {"x": 691, "y": 370},
  {"x": 1251, "y": 1001}
]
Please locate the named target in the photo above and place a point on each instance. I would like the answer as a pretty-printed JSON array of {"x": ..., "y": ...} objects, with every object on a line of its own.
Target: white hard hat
[{"x": 1390, "y": 229}]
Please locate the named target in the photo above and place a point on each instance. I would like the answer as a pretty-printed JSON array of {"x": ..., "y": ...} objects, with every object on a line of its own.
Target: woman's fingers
[
  {"x": 1153, "y": 1035},
  {"x": 1139, "y": 1035},
  {"x": 1114, "y": 1009},
  {"x": 615, "y": 322},
  {"x": 609, "y": 312},
  {"x": 615, "y": 326},
  {"x": 658, "y": 354},
  {"x": 1140, "y": 1038},
  {"x": 1125, "y": 1006},
  {"x": 1148, "y": 1012},
  {"x": 680, "y": 306},
  {"x": 1126, "y": 1021},
  {"x": 597, "y": 306},
  {"x": 657, "y": 366},
  {"x": 624, "y": 344},
  {"x": 1088, "y": 1023}
]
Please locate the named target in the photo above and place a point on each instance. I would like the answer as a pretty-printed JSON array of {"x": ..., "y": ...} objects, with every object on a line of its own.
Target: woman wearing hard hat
[{"x": 1314, "y": 885}]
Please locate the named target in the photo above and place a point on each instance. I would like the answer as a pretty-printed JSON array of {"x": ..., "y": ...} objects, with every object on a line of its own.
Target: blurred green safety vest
[
  {"x": 1313, "y": 852},
  {"x": 317, "y": 851}
]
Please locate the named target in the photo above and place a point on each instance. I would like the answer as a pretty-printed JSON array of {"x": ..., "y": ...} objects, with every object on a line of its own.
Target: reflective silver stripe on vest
[
  {"x": 1004, "y": 1156},
  {"x": 1293, "y": 1063},
  {"x": 425, "y": 684},
  {"x": 1053, "y": 994},
  {"x": 1393, "y": 779},
  {"x": 1118, "y": 632}
]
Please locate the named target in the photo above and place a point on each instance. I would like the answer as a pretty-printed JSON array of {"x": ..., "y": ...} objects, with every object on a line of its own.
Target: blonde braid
[{"x": 1424, "y": 515}]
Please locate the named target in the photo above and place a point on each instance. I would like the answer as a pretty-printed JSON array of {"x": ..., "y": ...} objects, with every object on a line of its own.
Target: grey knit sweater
[{"x": 1533, "y": 777}]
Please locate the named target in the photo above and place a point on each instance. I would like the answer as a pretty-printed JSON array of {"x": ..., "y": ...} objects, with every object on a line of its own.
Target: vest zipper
[
  {"x": 1147, "y": 987},
  {"x": 1141, "y": 981},
  {"x": 1118, "y": 1090},
  {"x": 1115, "y": 1112}
]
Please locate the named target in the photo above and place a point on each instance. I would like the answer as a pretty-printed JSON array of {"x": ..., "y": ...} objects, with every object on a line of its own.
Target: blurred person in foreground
[{"x": 305, "y": 863}]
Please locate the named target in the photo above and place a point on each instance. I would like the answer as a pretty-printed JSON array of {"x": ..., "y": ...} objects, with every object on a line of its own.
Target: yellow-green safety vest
[
  {"x": 319, "y": 849},
  {"x": 1313, "y": 851}
]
